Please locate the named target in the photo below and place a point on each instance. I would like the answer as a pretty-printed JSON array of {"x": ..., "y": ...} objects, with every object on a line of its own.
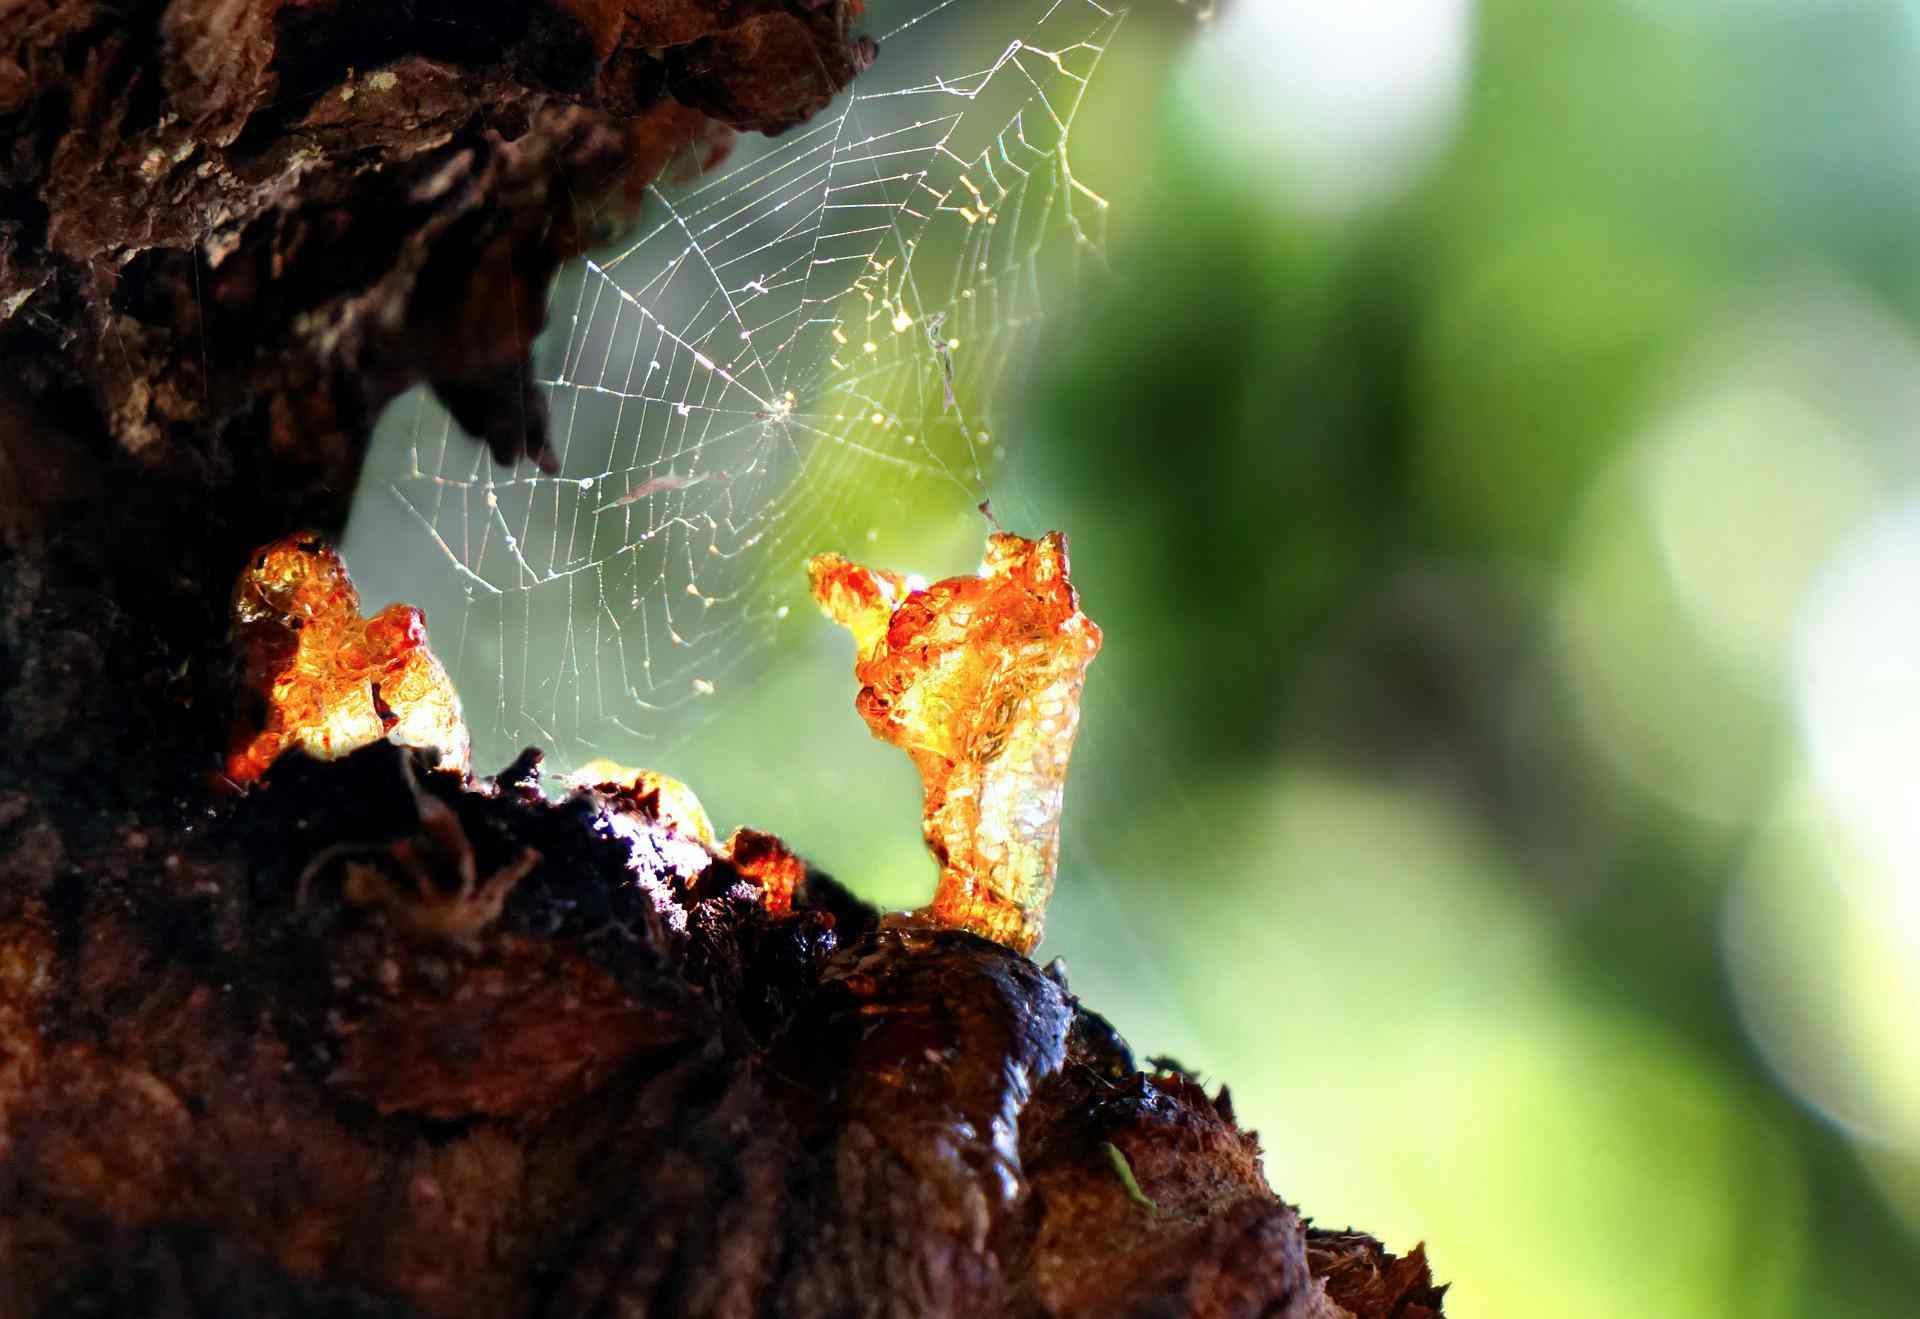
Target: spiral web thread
[{"x": 790, "y": 352}]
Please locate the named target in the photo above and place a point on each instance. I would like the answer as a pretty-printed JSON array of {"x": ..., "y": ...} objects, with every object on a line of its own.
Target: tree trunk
[{"x": 371, "y": 1038}]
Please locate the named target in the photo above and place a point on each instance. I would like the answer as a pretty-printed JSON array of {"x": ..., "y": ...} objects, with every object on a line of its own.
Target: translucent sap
[
  {"x": 322, "y": 678},
  {"x": 978, "y": 679}
]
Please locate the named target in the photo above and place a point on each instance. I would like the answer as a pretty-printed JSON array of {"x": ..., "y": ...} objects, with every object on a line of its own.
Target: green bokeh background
[{"x": 1441, "y": 786}]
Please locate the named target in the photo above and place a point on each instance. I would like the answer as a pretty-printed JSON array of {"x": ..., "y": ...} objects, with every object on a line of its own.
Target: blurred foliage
[{"x": 1452, "y": 553}]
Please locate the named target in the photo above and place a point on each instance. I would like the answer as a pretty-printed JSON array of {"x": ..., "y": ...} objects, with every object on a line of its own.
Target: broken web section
[{"x": 804, "y": 350}]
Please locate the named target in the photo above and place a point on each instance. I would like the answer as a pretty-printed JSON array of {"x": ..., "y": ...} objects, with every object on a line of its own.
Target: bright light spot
[
  {"x": 1346, "y": 102},
  {"x": 1824, "y": 981},
  {"x": 1751, "y": 487},
  {"x": 1859, "y": 697}
]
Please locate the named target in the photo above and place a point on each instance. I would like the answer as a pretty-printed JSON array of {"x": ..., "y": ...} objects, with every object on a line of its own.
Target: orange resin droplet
[
  {"x": 767, "y": 861},
  {"x": 321, "y": 677},
  {"x": 979, "y": 680}
]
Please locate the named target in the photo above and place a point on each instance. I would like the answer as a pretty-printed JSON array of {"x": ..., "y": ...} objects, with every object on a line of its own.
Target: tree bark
[{"x": 274, "y": 1051}]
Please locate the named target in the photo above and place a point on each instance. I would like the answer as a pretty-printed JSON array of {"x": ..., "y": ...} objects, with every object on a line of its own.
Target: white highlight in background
[
  {"x": 1751, "y": 486},
  {"x": 1857, "y": 686},
  {"x": 1347, "y": 102},
  {"x": 1825, "y": 985}
]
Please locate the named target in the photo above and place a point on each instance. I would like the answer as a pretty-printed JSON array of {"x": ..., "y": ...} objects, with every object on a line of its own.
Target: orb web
[{"x": 802, "y": 350}]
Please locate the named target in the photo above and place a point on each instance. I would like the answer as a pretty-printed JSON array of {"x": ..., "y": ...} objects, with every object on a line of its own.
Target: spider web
[{"x": 802, "y": 351}]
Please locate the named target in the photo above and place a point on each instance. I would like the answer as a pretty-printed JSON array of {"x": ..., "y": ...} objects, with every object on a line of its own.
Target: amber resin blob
[
  {"x": 979, "y": 680},
  {"x": 321, "y": 677}
]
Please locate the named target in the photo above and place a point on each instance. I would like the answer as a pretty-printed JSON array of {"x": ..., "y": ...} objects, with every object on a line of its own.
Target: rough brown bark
[{"x": 268, "y": 1052}]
